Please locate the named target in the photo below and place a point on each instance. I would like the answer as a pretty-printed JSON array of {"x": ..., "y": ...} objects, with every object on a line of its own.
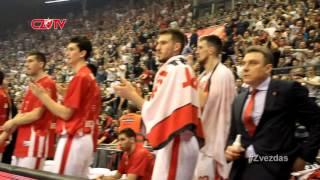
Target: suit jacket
[{"x": 286, "y": 102}]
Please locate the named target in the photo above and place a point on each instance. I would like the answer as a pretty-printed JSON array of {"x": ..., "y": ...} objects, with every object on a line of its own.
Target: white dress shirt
[{"x": 259, "y": 103}]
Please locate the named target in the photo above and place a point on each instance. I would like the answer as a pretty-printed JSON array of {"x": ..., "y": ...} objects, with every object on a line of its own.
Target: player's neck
[
  {"x": 211, "y": 63},
  {"x": 39, "y": 76},
  {"x": 254, "y": 85},
  {"x": 79, "y": 65},
  {"x": 133, "y": 147}
]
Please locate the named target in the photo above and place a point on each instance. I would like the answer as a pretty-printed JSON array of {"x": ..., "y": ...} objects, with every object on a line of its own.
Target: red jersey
[
  {"x": 40, "y": 126},
  {"x": 94, "y": 112},
  {"x": 83, "y": 95},
  {"x": 4, "y": 106},
  {"x": 4, "y": 111},
  {"x": 140, "y": 162}
]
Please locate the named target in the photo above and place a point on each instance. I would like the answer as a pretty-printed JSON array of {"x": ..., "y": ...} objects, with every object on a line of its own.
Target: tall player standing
[
  {"x": 78, "y": 115},
  {"x": 171, "y": 116}
]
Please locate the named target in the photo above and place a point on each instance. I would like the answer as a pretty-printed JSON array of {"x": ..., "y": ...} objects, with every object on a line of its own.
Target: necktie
[{"x": 247, "y": 118}]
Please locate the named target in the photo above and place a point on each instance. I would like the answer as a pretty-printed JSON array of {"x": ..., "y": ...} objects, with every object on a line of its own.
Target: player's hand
[
  {"x": 125, "y": 89},
  {"x": 99, "y": 177},
  {"x": 3, "y": 139},
  {"x": 233, "y": 153},
  {"x": 143, "y": 76},
  {"x": 37, "y": 90},
  {"x": 61, "y": 89},
  {"x": 8, "y": 126},
  {"x": 298, "y": 164}
]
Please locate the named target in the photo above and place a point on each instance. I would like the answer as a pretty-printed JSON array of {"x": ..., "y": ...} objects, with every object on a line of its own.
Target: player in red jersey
[
  {"x": 34, "y": 119},
  {"x": 136, "y": 162},
  {"x": 4, "y": 108},
  {"x": 78, "y": 115}
]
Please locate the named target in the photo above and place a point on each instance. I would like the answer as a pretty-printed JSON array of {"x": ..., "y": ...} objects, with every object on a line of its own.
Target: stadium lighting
[{"x": 55, "y": 1}]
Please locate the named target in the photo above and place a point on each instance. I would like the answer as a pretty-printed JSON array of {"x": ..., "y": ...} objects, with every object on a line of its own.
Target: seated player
[{"x": 136, "y": 162}]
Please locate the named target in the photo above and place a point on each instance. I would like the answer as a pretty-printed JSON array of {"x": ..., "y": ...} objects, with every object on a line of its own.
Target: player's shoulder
[
  {"x": 177, "y": 61},
  {"x": 84, "y": 74},
  {"x": 178, "y": 64},
  {"x": 2, "y": 90},
  {"x": 47, "y": 80},
  {"x": 224, "y": 70},
  {"x": 145, "y": 154},
  {"x": 141, "y": 151}
]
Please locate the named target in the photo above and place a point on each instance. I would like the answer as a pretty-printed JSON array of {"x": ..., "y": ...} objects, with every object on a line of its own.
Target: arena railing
[
  {"x": 19, "y": 173},
  {"x": 277, "y": 71}
]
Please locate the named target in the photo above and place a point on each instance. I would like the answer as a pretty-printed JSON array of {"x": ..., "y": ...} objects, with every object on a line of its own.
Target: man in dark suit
[{"x": 265, "y": 117}]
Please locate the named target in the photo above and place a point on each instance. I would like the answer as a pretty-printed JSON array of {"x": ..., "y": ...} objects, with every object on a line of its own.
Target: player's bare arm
[
  {"x": 23, "y": 118},
  {"x": 4, "y": 136},
  {"x": 57, "y": 109}
]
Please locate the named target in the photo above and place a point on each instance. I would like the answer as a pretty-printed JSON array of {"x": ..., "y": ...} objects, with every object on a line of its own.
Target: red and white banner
[{"x": 212, "y": 30}]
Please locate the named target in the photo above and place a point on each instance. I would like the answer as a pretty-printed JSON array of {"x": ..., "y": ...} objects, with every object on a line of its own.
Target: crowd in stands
[{"x": 124, "y": 43}]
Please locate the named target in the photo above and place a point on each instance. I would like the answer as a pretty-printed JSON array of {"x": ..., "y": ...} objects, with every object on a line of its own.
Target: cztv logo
[{"x": 47, "y": 24}]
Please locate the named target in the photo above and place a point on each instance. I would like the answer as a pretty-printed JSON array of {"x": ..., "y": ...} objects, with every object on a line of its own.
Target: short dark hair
[
  {"x": 2, "y": 76},
  {"x": 267, "y": 54},
  {"x": 176, "y": 36},
  {"x": 83, "y": 43},
  {"x": 214, "y": 41},
  {"x": 132, "y": 108},
  {"x": 128, "y": 132},
  {"x": 39, "y": 56}
]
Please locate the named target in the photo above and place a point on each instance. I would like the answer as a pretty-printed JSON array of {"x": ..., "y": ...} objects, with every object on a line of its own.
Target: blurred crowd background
[{"x": 124, "y": 45}]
